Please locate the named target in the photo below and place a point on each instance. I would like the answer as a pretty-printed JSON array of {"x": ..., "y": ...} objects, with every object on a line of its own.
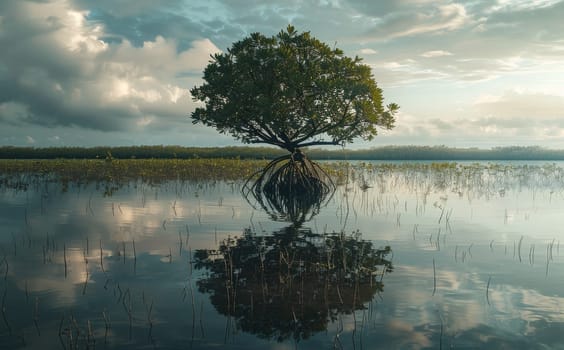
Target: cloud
[
  {"x": 518, "y": 27},
  {"x": 534, "y": 115},
  {"x": 63, "y": 73},
  {"x": 435, "y": 53},
  {"x": 367, "y": 51},
  {"x": 140, "y": 21},
  {"x": 128, "y": 8},
  {"x": 478, "y": 46},
  {"x": 514, "y": 104},
  {"x": 111, "y": 71},
  {"x": 11, "y": 113},
  {"x": 432, "y": 20},
  {"x": 521, "y": 5},
  {"x": 513, "y": 117}
]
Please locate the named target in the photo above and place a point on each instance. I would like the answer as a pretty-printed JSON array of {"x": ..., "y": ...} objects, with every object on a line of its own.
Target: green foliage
[{"x": 291, "y": 91}]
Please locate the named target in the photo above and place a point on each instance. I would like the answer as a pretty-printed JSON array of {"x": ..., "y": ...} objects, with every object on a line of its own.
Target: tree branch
[
  {"x": 329, "y": 126},
  {"x": 318, "y": 143},
  {"x": 273, "y": 143}
]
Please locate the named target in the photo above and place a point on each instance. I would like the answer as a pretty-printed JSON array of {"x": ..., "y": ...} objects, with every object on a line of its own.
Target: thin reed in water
[
  {"x": 434, "y": 277},
  {"x": 488, "y": 290},
  {"x": 101, "y": 258},
  {"x": 65, "y": 258},
  {"x": 519, "y": 248}
]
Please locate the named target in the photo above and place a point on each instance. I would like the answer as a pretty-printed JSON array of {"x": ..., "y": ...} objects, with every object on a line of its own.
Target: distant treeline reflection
[{"x": 379, "y": 153}]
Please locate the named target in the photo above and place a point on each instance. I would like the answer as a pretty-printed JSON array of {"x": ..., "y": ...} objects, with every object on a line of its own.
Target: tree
[{"x": 291, "y": 91}]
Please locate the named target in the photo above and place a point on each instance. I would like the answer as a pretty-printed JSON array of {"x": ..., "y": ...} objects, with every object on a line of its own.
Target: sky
[{"x": 469, "y": 73}]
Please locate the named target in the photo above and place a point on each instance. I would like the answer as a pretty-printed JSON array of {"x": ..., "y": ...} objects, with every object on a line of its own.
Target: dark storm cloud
[{"x": 58, "y": 71}]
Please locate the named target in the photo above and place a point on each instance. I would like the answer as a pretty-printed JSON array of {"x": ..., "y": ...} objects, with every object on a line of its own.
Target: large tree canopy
[{"x": 291, "y": 91}]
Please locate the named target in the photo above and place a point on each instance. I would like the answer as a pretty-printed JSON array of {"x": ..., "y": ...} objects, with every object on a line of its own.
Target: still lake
[{"x": 463, "y": 256}]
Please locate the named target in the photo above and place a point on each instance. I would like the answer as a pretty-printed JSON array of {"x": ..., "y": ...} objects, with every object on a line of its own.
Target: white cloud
[
  {"x": 443, "y": 18},
  {"x": 435, "y": 53},
  {"x": 79, "y": 79},
  {"x": 367, "y": 51},
  {"x": 521, "y": 5},
  {"x": 520, "y": 116},
  {"x": 522, "y": 104},
  {"x": 487, "y": 98},
  {"x": 159, "y": 58},
  {"x": 30, "y": 140}
]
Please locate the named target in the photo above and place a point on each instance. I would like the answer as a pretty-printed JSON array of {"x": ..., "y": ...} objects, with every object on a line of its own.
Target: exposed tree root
[{"x": 290, "y": 187}]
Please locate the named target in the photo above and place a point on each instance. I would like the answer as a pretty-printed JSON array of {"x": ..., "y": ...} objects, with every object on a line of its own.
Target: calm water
[{"x": 473, "y": 261}]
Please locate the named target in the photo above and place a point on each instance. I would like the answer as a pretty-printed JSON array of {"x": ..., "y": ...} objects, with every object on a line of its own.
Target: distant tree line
[
  {"x": 441, "y": 153},
  {"x": 139, "y": 152}
]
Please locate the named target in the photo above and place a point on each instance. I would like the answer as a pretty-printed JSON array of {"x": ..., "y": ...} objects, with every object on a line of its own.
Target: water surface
[{"x": 461, "y": 257}]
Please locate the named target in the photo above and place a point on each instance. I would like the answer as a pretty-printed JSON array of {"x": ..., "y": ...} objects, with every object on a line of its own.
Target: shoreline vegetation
[
  {"x": 111, "y": 174},
  {"x": 114, "y": 173},
  {"x": 391, "y": 153}
]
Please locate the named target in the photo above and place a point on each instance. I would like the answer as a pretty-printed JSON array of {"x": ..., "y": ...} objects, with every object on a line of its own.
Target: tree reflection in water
[
  {"x": 291, "y": 202},
  {"x": 292, "y": 283}
]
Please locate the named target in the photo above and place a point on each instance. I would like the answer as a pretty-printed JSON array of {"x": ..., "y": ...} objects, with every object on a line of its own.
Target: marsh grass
[{"x": 476, "y": 180}]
